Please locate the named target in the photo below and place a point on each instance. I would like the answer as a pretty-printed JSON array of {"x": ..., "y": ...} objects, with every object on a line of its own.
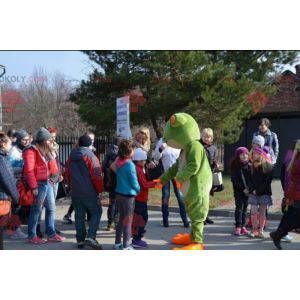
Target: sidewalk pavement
[{"x": 217, "y": 236}]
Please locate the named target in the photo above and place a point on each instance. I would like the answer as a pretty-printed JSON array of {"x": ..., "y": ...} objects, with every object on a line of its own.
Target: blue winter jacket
[{"x": 127, "y": 181}]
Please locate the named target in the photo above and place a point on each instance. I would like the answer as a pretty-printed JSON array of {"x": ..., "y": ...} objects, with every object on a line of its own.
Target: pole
[{"x": 2, "y": 72}]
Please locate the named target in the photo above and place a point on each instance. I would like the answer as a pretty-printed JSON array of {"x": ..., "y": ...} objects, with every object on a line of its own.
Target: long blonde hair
[
  {"x": 46, "y": 149},
  {"x": 296, "y": 151},
  {"x": 145, "y": 131}
]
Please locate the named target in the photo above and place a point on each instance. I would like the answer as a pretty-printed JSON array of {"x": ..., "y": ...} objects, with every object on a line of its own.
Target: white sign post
[{"x": 123, "y": 118}]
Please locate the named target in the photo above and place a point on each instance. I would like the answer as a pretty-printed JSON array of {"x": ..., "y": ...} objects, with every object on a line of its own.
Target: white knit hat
[
  {"x": 259, "y": 140},
  {"x": 139, "y": 155}
]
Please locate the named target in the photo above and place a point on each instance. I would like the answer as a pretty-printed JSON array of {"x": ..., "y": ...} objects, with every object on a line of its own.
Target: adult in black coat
[{"x": 8, "y": 189}]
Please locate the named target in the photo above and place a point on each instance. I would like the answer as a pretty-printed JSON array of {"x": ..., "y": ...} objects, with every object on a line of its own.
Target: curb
[{"x": 227, "y": 213}]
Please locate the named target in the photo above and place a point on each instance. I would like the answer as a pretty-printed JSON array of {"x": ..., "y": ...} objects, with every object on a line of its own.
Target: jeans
[
  {"x": 45, "y": 198},
  {"x": 241, "y": 204},
  {"x": 165, "y": 201},
  {"x": 83, "y": 205},
  {"x": 140, "y": 220},
  {"x": 55, "y": 189}
]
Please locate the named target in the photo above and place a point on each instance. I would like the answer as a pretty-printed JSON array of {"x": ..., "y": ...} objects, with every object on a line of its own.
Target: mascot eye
[{"x": 173, "y": 120}]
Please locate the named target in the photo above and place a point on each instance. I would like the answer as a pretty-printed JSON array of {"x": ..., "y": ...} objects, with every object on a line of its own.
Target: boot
[
  {"x": 165, "y": 222},
  {"x": 208, "y": 221},
  {"x": 275, "y": 239},
  {"x": 182, "y": 239},
  {"x": 262, "y": 221},
  {"x": 193, "y": 246}
]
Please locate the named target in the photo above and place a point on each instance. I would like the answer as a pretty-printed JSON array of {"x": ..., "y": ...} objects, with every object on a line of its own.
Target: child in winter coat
[
  {"x": 260, "y": 191},
  {"x": 126, "y": 190},
  {"x": 140, "y": 217},
  {"x": 240, "y": 176}
]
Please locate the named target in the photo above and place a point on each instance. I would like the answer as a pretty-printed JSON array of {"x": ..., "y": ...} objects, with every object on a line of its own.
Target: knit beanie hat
[
  {"x": 241, "y": 150},
  {"x": 260, "y": 152},
  {"x": 258, "y": 140},
  {"x": 21, "y": 134},
  {"x": 85, "y": 141},
  {"x": 43, "y": 135},
  {"x": 139, "y": 155}
]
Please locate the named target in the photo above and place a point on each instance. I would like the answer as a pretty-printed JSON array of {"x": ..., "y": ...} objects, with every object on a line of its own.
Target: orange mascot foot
[
  {"x": 182, "y": 239},
  {"x": 193, "y": 246}
]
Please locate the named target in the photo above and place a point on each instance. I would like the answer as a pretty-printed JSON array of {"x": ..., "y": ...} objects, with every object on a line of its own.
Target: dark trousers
[
  {"x": 71, "y": 209},
  {"x": 140, "y": 220},
  {"x": 165, "y": 201},
  {"x": 112, "y": 211},
  {"x": 241, "y": 204},
  {"x": 81, "y": 207},
  {"x": 125, "y": 207},
  {"x": 290, "y": 221}
]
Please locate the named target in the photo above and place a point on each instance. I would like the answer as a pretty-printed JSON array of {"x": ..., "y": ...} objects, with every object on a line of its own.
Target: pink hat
[
  {"x": 260, "y": 152},
  {"x": 241, "y": 150}
]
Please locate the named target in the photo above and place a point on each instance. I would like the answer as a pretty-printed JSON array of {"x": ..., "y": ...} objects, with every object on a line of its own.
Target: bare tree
[{"x": 46, "y": 103}]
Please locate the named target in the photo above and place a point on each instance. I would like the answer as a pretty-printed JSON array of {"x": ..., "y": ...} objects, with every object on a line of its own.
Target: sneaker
[
  {"x": 56, "y": 238},
  {"x": 57, "y": 231},
  {"x": 19, "y": 235},
  {"x": 92, "y": 243},
  {"x": 139, "y": 244},
  {"x": 244, "y": 231},
  {"x": 237, "y": 231},
  {"x": 80, "y": 245},
  {"x": 129, "y": 248},
  {"x": 253, "y": 234},
  {"x": 37, "y": 241},
  {"x": 260, "y": 235},
  {"x": 287, "y": 239},
  {"x": 275, "y": 240},
  {"x": 67, "y": 220},
  {"x": 118, "y": 246},
  {"x": 165, "y": 223}
]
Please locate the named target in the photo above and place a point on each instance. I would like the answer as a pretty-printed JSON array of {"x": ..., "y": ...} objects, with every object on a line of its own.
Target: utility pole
[{"x": 2, "y": 72}]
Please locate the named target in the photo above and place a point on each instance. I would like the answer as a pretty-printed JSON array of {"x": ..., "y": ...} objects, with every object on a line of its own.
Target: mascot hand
[
  {"x": 178, "y": 184},
  {"x": 158, "y": 184}
]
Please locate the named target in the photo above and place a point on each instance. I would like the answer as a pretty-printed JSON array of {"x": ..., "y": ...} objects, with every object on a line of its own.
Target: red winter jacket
[
  {"x": 36, "y": 168},
  {"x": 293, "y": 188},
  {"x": 144, "y": 184},
  {"x": 84, "y": 173}
]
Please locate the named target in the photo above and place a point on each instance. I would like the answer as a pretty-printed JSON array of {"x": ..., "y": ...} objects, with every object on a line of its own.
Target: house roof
[{"x": 287, "y": 97}]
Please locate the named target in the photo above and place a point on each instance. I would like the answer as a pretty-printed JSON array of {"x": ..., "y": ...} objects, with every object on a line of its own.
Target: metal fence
[{"x": 66, "y": 144}]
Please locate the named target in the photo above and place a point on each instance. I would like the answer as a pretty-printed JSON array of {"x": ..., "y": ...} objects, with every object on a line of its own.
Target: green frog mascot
[{"x": 193, "y": 173}]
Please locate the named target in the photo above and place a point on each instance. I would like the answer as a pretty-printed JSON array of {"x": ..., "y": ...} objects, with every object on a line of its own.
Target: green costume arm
[
  {"x": 170, "y": 174},
  {"x": 194, "y": 156}
]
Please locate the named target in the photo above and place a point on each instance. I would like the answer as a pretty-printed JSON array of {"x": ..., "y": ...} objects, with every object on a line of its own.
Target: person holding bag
[
  {"x": 9, "y": 196},
  {"x": 37, "y": 171}
]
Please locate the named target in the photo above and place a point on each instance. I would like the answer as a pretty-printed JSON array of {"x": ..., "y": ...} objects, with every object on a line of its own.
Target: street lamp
[{"x": 2, "y": 72}]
